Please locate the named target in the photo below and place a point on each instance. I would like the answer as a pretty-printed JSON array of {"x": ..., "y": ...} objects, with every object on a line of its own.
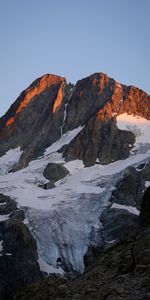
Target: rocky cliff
[
  {"x": 18, "y": 252},
  {"x": 51, "y": 107}
]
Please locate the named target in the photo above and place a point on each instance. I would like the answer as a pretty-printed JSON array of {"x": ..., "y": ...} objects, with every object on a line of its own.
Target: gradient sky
[{"x": 72, "y": 38}]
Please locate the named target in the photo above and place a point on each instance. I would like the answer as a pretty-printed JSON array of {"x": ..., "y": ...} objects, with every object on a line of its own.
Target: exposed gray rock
[
  {"x": 47, "y": 186},
  {"x": 99, "y": 140},
  {"x": 18, "y": 253},
  {"x": 7, "y": 205},
  {"x": 54, "y": 172},
  {"x": 18, "y": 214},
  {"x": 126, "y": 191},
  {"x": 129, "y": 190},
  {"x": 145, "y": 208},
  {"x": 118, "y": 224}
]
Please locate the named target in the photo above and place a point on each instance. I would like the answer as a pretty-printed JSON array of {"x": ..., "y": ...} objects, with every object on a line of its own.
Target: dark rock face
[
  {"x": 128, "y": 190},
  {"x": 7, "y": 205},
  {"x": 120, "y": 220},
  {"x": 54, "y": 172},
  {"x": 50, "y": 107},
  {"x": 145, "y": 208},
  {"x": 18, "y": 255},
  {"x": 99, "y": 140},
  {"x": 118, "y": 224},
  {"x": 31, "y": 114}
]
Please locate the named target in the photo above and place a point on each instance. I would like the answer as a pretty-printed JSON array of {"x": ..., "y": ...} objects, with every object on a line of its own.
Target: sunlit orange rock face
[
  {"x": 101, "y": 80},
  {"x": 95, "y": 103},
  {"x": 10, "y": 121},
  {"x": 43, "y": 83},
  {"x": 58, "y": 98},
  {"x": 133, "y": 101},
  {"x": 103, "y": 97}
]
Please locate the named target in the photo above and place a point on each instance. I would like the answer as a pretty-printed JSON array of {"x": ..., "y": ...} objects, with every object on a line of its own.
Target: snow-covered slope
[
  {"x": 141, "y": 129},
  {"x": 65, "y": 220}
]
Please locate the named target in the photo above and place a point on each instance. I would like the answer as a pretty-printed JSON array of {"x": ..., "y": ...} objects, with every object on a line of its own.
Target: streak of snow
[
  {"x": 65, "y": 139},
  {"x": 4, "y": 218},
  {"x": 130, "y": 209},
  {"x": 110, "y": 242},
  {"x": 65, "y": 112}
]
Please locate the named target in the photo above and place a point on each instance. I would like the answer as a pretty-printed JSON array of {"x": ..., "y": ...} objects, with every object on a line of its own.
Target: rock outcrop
[
  {"x": 54, "y": 172},
  {"x": 32, "y": 113},
  {"x": 99, "y": 141},
  {"x": 145, "y": 208},
  {"x": 18, "y": 253}
]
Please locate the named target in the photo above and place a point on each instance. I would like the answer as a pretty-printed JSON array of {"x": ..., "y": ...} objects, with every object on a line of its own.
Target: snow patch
[
  {"x": 131, "y": 209},
  {"x": 147, "y": 184},
  {"x": 140, "y": 128},
  {"x": 4, "y": 218},
  {"x": 9, "y": 160},
  {"x": 49, "y": 269}
]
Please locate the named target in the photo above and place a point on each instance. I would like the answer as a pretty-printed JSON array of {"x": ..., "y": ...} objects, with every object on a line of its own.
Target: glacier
[{"x": 65, "y": 220}]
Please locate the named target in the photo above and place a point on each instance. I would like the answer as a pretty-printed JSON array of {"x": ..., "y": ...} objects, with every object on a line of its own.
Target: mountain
[
  {"x": 50, "y": 105},
  {"x": 74, "y": 166}
]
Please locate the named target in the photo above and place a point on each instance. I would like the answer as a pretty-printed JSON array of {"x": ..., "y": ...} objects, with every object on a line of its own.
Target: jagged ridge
[{"x": 50, "y": 107}]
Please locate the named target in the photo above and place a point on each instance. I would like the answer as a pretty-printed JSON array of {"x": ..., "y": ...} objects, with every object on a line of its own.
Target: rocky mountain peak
[
  {"x": 50, "y": 107},
  {"x": 36, "y": 88}
]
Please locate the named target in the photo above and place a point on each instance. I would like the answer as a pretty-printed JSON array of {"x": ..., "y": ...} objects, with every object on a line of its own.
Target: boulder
[{"x": 55, "y": 172}]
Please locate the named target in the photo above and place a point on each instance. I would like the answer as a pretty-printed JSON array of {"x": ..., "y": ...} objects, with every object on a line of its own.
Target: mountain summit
[{"x": 50, "y": 107}]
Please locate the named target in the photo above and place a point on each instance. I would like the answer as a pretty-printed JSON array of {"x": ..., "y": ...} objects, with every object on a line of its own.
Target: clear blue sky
[{"x": 72, "y": 38}]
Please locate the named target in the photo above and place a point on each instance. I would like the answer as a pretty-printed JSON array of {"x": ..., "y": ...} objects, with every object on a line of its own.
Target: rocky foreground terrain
[{"x": 75, "y": 191}]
